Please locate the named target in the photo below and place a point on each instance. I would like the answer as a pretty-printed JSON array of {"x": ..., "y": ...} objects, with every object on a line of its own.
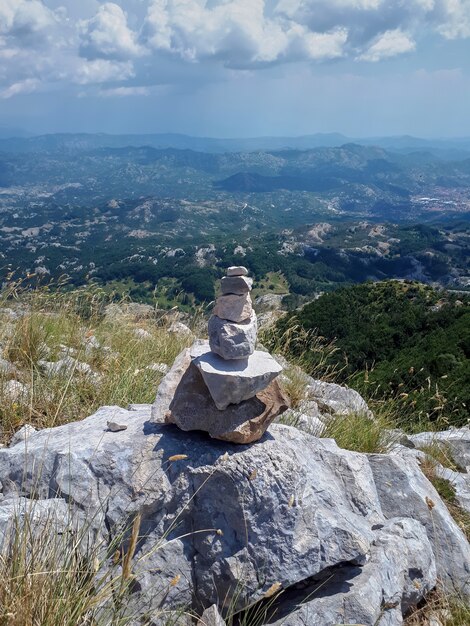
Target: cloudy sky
[{"x": 236, "y": 67}]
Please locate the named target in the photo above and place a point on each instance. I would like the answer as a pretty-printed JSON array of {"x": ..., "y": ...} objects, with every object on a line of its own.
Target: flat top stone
[
  {"x": 236, "y": 284},
  {"x": 252, "y": 366},
  {"x": 237, "y": 270}
]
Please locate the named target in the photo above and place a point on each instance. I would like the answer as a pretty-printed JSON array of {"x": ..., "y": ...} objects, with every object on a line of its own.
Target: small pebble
[{"x": 114, "y": 427}]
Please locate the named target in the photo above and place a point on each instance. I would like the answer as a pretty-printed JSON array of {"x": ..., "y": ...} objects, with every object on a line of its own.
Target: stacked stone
[
  {"x": 233, "y": 325},
  {"x": 230, "y": 366},
  {"x": 224, "y": 386}
]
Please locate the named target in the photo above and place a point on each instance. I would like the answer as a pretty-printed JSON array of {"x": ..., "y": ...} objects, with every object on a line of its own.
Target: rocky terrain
[
  {"x": 330, "y": 536},
  {"x": 173, "y": 527}
]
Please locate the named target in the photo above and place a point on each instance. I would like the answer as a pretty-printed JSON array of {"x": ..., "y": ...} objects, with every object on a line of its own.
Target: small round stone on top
[{"x": 237, "y": 270}]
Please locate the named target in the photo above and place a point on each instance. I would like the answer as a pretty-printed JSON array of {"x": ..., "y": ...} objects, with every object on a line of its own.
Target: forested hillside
[{"x": 399, "y": 340}]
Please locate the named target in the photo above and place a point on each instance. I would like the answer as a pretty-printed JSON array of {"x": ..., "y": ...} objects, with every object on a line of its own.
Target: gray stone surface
[
  {"x": 234, "y": 308},
  {"x": 230, "y": 382},
  {"x": 455, "y": 440},
  {"x": 237, "y": 270},
  {"x": 236, "y": 284},
  {"x": 400, "y": 571},
  {"x": 211, "y": 616},
  {"x": 228, "y": 522},
  {"x": 22, "y": 434},
  {"x": 15, "y": 391},
  {"x": 403, "y": 490},
  {"x": 7, "y": 368},
  {"x": 38, "y": 514},
  {"x": 184, "y": 399},
  {"x": 281, "y": 510},
  {"x": 231, "y": 340},
  {"x": 336, "y": 399}
]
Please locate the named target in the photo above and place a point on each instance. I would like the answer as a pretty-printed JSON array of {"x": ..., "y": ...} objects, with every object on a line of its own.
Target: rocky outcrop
[
  {"x": 455, "y": 440},
  {"x": 346, "y": 537}
]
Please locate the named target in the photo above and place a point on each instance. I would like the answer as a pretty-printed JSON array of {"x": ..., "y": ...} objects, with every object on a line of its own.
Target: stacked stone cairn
[{"x": 224, "y": 386}]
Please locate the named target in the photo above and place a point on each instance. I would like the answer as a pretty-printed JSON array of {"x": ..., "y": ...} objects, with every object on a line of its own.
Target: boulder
[
  {"x": 236, "y": 284},
  {"x": 224, "y": 524},
  {"x": 401, "y": 570},
  {"x": 237, "y": 270},
  {"x": 185, "y": 400},
  {"x": 223, "y": 521},
  {"x": 403, "y": 490},
  {"x": 337, "y": 400},
  {"x": 234, "y": 308},
  {"x": 15, "y": 511},
  {"x": 231, "y": 382},
  {"x": 178, "y": 328},
  {"x": 15, "y": 391},
  {"x": 231, "y": 340},
  {"x": 66, "y": 366},
  {"x": 455, "y": 440}
]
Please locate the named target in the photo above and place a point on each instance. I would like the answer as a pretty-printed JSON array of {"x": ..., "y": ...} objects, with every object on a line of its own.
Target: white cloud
[
  {"x": 239, "y": 33},
  {"x": 453, "y": 18},
  {"x": 21, "y": 87},
  {"x": 123, "y": 92},
  {"x": 388, "y": 44},
  {"x": 107, "y": 35},
  {"x": 22, "y": 18},
  {"x": 103, "y": 71},
  {"x": 173, "y": 41}
]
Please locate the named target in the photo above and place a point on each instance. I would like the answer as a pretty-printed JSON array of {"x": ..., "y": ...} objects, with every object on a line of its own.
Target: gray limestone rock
[
  {"x": 211, "y": 617},
  {"x": 15, "y": 511},
  {"x": 184, "y": 399},
  {"x": 231, "y": 382},
  {"x": 336, "y": 399},
  {"x": 403, "y": 490},
  {"x": 228, "y": 522},
  {"x": 22, "y": 434},
  {"x": 236, "y": 284},
  {"x": 400, "y": 572},
  {"x": 115, "y": 427},
  {"x": 15, "y": 391},
  {"x": 455, "y": 440},
  {"x": 234, "y": 308},
  {"x": 231, "y": 340},
  {"x": 237, "y": 270},
  {"x": 278, "y": 511}
]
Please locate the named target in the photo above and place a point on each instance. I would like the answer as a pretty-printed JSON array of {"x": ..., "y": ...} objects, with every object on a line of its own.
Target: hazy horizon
[{"x": 25, "y": 133}]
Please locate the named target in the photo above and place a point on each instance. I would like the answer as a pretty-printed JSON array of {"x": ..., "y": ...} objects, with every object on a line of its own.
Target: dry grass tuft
[
  {"x": 442, "y": 609},
  {"x": 359, "y": 433},
  {"x": 106, "y": 361}
]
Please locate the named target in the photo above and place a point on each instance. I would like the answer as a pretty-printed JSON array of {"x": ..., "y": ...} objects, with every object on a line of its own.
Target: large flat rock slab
[
  {"x": 185, "y": 400},
  {"x": 231, "y": 382}
]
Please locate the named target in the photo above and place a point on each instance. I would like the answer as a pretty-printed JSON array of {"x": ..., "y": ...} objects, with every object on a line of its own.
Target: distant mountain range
[{"x": 447, "y": 149}]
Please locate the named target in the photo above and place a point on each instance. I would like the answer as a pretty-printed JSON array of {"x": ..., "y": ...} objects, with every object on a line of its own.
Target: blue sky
[{"x": 236, "y": 67}]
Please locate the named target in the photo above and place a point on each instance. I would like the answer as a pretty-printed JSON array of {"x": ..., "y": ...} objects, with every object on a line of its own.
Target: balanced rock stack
[
  {"x": 224, "y": 386},
  {"x": 233, "y": 326}
]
